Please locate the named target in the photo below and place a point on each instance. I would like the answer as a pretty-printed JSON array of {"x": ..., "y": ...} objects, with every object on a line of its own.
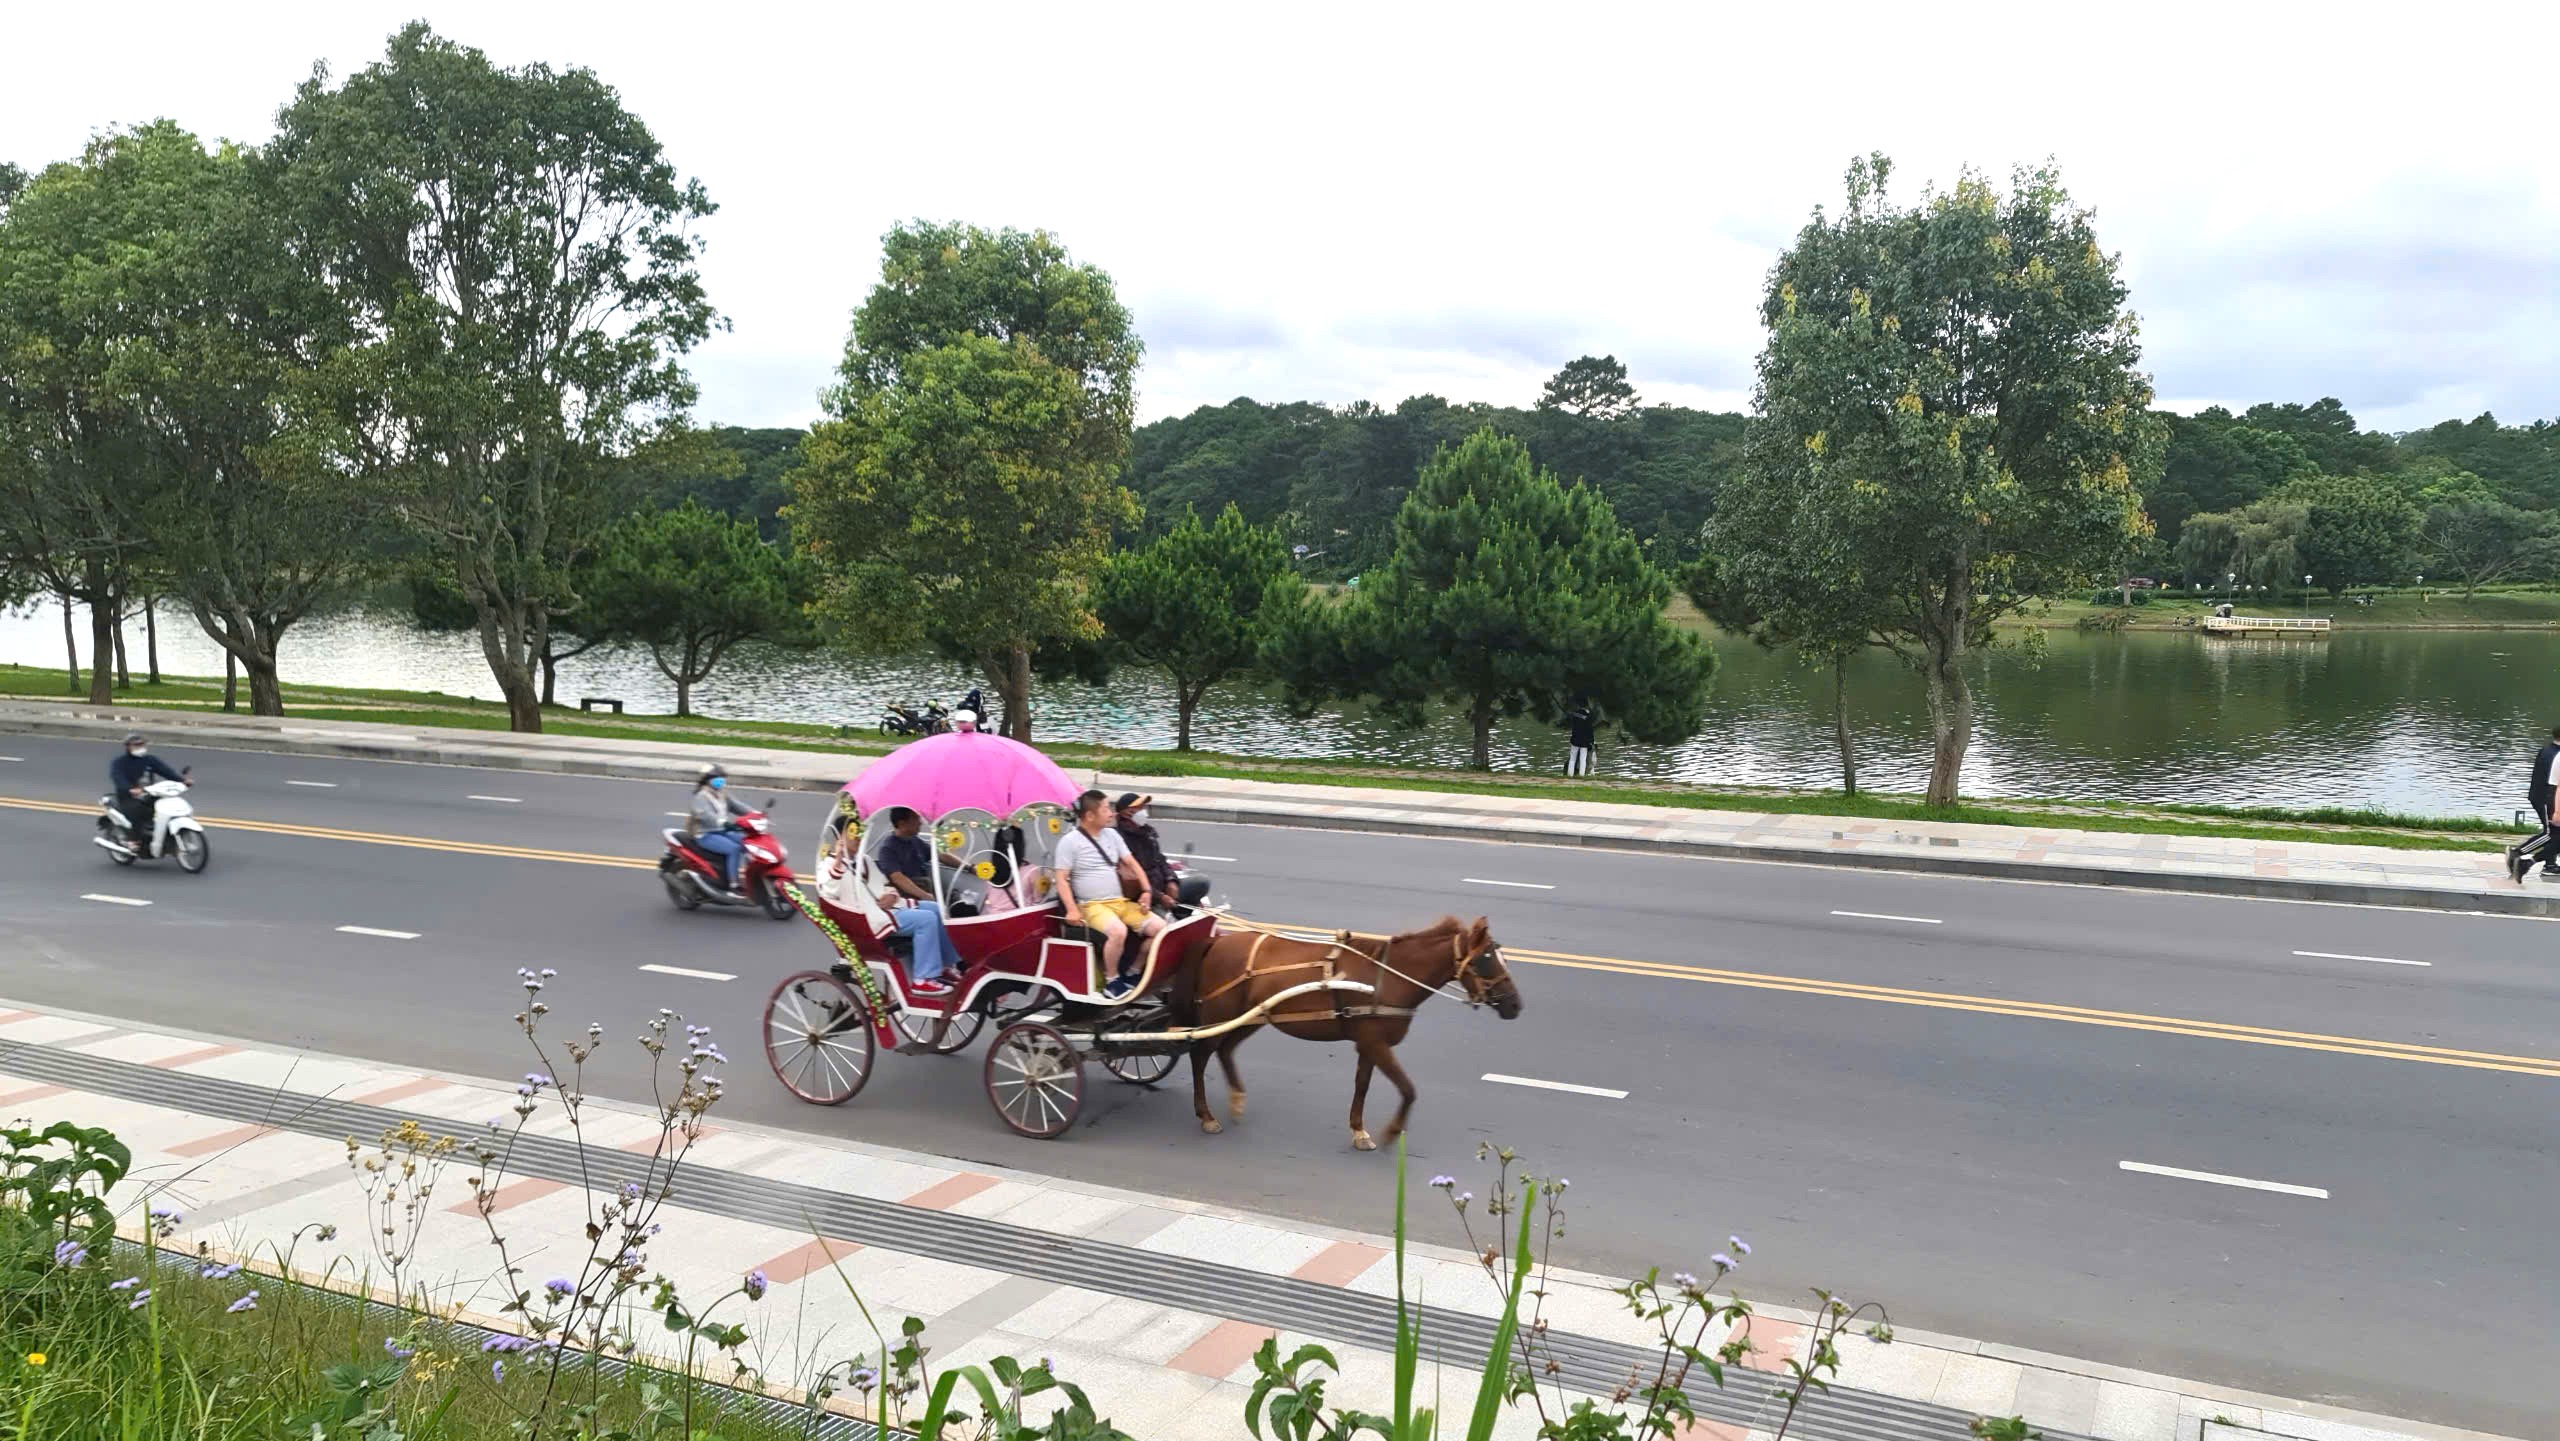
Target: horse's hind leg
[
  {"x": 1200, "y": 1085},
  {"x": 1235, "y": 1083},
  {"x": 1394, "y": 1068},
  {"x": 1359, "y": 1094}
]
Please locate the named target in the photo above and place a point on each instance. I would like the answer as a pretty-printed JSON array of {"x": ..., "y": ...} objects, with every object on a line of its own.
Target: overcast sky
[{"x": 1336, "y": 203}]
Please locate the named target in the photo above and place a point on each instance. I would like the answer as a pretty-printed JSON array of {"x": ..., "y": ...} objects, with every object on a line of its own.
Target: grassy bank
[{"x": 432, "y": 710}]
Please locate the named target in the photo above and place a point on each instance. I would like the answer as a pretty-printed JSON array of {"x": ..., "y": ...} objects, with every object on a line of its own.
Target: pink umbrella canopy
[{"x": 961, "y": 770}]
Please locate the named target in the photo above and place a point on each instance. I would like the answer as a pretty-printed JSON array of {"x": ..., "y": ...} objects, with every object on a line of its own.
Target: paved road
[{"x": 1917, "y": 1089}]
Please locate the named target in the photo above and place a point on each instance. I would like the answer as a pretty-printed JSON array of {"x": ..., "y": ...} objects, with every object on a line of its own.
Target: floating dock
[{"x": 2281, "y": 627}]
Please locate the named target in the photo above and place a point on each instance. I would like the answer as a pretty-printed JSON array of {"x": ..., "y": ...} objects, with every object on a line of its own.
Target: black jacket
[
  {"x": 1579, "y": 728},
  {"x": 2539, "y": 788},
  {"x": 1148, "y": 852},
  {"x": 128, "y": 770}
]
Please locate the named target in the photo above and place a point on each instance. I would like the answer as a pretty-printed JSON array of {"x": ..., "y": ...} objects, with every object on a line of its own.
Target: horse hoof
[
  {"x": 1360, "y": 1141},
  {"x": 1210, "y": 1125},
  {"x": 1235, "y": 1105}
]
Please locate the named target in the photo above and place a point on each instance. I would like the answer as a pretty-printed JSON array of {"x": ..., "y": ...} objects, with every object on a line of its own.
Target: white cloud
[{"x": 1339, "y": 202}]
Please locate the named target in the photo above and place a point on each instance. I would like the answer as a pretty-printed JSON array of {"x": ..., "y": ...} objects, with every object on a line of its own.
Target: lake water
[{"x": 2436, "y": 722}]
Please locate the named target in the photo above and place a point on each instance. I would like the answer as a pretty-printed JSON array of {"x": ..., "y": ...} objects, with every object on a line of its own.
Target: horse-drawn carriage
[{"x": 994, "y": 812}]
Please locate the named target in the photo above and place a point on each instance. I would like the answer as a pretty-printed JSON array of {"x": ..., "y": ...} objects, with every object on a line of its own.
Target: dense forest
[{"x": 1331, "y": 477}]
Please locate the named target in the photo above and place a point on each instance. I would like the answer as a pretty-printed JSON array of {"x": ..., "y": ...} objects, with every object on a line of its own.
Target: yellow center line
[{"x": 1615, "y": 965}]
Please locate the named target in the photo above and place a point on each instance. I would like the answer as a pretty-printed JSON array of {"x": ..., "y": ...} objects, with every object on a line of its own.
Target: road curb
[{"x": 756, "y": 769}]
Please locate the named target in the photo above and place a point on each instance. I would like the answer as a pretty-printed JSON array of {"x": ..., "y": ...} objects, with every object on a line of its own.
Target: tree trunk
[
  {"x": 70, "y": 643},
  {"x": 266, "y": 692},
  {"x": 1840, "y": 725},
  {"x": 1481, "y": 757},
  {"x": 684, "y": 679},
  {"x": 230, "y": 681},
  {"x": 550, "y": 664},
  {"x": 1950, "y": 718},
  {"x": 124, "y": 672},
  {"x": 1017, "y": 701},
  {"x": 151, "y": 634},
  {"x": 102, "y": 637},
  {"x": 503, "y": 644},
  {"x": 1186, "y": 700}
]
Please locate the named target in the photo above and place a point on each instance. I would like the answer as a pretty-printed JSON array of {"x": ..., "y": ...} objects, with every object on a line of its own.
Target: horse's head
[{"x": 1482, "y": 971}]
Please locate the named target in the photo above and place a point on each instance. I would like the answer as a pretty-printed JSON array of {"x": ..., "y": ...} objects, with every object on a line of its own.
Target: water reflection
[{"x": 2437, "y": 722}]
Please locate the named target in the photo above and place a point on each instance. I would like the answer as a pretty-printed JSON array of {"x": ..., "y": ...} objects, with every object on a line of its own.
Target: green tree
[
  {"x": 1951, "y": 407},
  {"x": 2259, "y": 544},
  {"x": 2215, "y": 462},
  {"x": 2358, "y": 530},
  {"x": 516, "y": 257},
  {"x": 2478, "y": 541},
  {"x": 1825, "y": 616},
  {"x": 1190, "y": 602},
  {"x": 2327, "y": 434},
  {"x": 2520, "y": 462},
  {"x": 1506, "y": 594},
  {"x": 1593, "y": 387},
  {"x": 689, "y": 584},
  {"x": 965, "y": 488},
  {"x": 79, "y": 486}
]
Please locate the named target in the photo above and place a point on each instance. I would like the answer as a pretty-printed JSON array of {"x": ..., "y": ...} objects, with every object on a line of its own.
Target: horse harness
[{"x": 1474, "y": 973}]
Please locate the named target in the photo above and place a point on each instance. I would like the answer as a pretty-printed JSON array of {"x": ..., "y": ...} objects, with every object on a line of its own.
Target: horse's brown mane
[{"x": 1445, "y": 926}]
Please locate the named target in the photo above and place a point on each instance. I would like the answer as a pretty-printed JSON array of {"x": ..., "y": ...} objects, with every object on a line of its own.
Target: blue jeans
[
  {"x": 727, "y": 846},
  {"x": 923, "y": 922}
]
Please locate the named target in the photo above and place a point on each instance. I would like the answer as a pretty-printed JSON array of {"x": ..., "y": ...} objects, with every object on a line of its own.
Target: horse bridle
[{"x": 1480, "y": 973}]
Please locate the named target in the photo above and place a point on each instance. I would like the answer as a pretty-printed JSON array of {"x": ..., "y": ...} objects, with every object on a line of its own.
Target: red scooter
[{"x": 693, "y": 876}]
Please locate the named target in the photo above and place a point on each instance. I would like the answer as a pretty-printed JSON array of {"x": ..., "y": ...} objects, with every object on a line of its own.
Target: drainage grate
[{"x": 1749, "y": 1399}]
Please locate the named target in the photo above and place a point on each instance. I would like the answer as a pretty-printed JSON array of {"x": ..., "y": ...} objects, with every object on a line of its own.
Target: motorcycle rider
[
  {"x": 710, "y": 826},
  {"x": 127, "y": 774}
]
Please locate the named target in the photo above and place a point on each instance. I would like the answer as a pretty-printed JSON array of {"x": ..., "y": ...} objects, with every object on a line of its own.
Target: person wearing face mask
[
  {"x": 710, "y": 825},
  {"x": 127, "y": 774},
  {"x": 1147, "y": 849}
]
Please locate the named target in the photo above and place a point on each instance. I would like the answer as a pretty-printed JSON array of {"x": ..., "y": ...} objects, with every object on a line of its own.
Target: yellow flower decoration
[
  {"x": 1053, "y": 825},
  {"x": 35, "y": 1358},
  {"x": 986, "y": 870},
  {"x": 1045, "y": 883},
  {"x": 955, "y": 839}
]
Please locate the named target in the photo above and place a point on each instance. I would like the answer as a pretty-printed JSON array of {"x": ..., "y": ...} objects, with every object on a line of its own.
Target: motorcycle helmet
[
  {"x": 133, "y": 740},
  {"x": 713, "y": 772}
]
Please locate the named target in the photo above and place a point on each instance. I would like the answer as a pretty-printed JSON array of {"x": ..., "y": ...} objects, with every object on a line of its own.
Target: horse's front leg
[
  {"x": 1394, "y": 1068},
  {"x": 1200, "y": 1085},
  {"x": 1360, "y": 1093}
]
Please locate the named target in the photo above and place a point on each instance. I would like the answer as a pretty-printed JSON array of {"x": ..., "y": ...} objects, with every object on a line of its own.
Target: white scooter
[{"x": 175, "y": 831}]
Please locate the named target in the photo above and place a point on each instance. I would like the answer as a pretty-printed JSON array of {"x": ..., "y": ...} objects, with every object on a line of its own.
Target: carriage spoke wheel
[
  {"x": 1035, "y": 1078},
  {"x": 1140, "y": 1069},
  {"x": 817, "y": 1036},
  {"x": 942, "y": 1035}
]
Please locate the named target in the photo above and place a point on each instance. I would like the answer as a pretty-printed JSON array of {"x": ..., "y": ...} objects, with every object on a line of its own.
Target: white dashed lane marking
[
  {"x": 1534, "y": 1083},
  {"x": 502, "y": 800},
  {"x": 1880, "y": 916},
  {"x": 689, "y": 974},
  {"x": 376, "y": 931},
  {"x": 114, "y": 900},
  {"x": 2216, "y": 1178},
  {"x": 315, "y": 785},
  {"x": 1515, "y": 885},
  {"x": 2343, "y": 956}
]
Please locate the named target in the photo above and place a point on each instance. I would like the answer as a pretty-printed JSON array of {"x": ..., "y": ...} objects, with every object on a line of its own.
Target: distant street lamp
[{"x": 2306, "y": 597}]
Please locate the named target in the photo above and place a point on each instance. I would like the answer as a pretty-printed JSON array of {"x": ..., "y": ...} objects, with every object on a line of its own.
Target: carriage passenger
[
  {"x": 1091, "y": 862},
  {"x": 855, "y": 883}
]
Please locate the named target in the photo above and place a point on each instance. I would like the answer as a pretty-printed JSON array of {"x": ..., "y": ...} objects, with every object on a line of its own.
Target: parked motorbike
[
  {"x": 900, "y": 720},
  {"x": 175, "y": 831},
  {"x": 694, "y": 877}
]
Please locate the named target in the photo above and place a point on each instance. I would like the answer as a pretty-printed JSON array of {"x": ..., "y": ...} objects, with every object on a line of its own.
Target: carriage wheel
[
  {"x": 1035, "y": 1079},
  {"x": 817, "y": 1036},
  {"x": 1143, "y": 1068},
  {"x": 942, "y": 1035}
]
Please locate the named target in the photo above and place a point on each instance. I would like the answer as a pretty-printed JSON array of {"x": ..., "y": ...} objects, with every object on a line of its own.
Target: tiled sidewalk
[{"x": 1163, "y": 1370}]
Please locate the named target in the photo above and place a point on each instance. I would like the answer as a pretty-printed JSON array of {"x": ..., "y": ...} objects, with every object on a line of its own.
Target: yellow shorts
[{"x": 1131, "y": 914}]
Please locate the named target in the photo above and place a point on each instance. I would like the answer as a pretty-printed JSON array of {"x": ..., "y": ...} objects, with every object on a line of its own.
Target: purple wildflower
[
  {"x": 391, "y": 1346},
  {"x": 127, "y": 1284},
  {"x": 70, "y": 1253},
  {"x": 245, "y": 1303},
  {"x": 167, "y": 1217},
  {"x": 1722, "y": 1261},
  {"x": 755, "y": 1285},
  {"x": 219, "y": 1271},
  {"x": 1443, "y": 1183},
  {"x": 498, "y": 1372},
  {"x": 1740, "y": 1246},
  {"x": 560, "y": 1288},
  {"x": 1684, "y": 1280},
  {"x": 140, "y": 1299}
]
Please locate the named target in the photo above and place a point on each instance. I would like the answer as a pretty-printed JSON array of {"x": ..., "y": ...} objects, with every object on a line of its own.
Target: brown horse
[{"x": 1245, "y": 969}]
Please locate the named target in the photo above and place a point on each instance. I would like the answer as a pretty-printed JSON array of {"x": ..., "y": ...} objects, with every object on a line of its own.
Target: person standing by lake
[
  {"x": 1581, "y": 739},
  {"x": 2542, "y": 790}
]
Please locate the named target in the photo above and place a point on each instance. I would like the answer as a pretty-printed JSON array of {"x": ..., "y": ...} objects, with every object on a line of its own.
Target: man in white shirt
[{"x": 1091, "y": 861}]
